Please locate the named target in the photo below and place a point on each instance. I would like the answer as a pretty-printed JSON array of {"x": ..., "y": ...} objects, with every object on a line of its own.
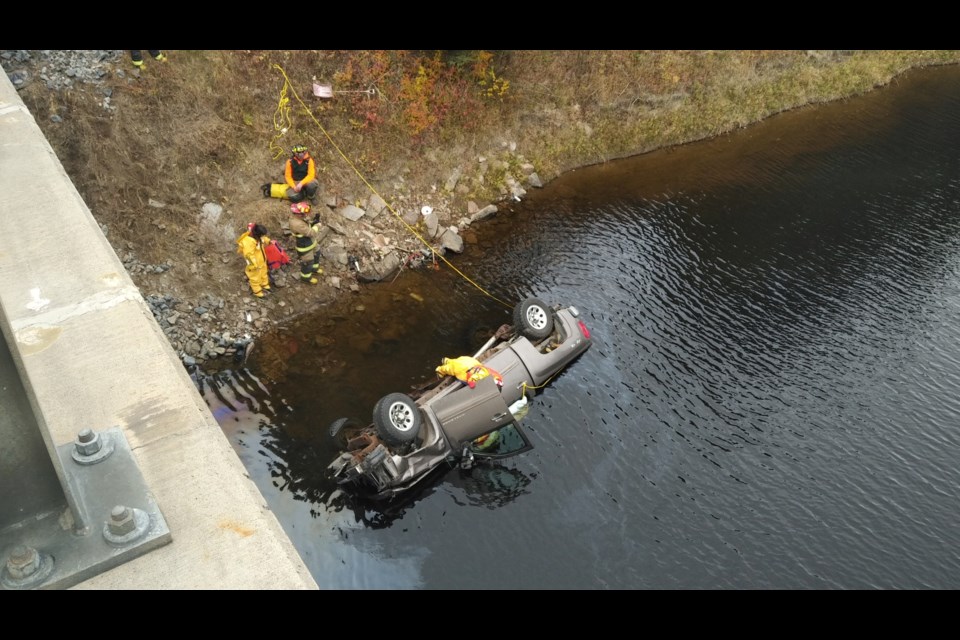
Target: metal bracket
[{"x": 115, "y": 519}]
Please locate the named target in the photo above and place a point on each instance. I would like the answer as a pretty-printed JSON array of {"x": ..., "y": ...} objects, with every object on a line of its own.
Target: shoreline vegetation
[{"x": 172, "y": 161}]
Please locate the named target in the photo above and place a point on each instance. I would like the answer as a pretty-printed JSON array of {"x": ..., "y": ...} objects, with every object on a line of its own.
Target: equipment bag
[
  {"x": 274, "y": 190},
  {"x": 276, "y": 255}
]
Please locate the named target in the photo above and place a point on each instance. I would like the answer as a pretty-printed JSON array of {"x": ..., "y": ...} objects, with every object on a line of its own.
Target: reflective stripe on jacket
[{"x": 305, "y": 234}]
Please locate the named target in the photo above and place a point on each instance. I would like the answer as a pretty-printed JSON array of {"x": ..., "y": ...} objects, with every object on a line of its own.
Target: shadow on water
[
  {"x": 488, "y": 485},
  {"x": 770, "y": 400}
]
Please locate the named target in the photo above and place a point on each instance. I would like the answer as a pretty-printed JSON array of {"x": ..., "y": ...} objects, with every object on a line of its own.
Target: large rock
[
  {"x": 337, "y": 227},
  {"x": 210, "y": 212},
  {"x": 451, "y": 240},
  {"x": 451, "y": 183},
  {"x": 432, "y": 222},
  {"x": 374, "y": 270},
  {"x": 335, "y": 253},
  {"x": 214, "y": 230},
  {"x": 486, "y": 212},
  {"x": 351, "y": 212},
  {"x": 375, "y": 207}
]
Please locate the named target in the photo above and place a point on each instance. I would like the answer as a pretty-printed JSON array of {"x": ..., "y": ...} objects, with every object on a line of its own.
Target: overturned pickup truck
[{"x": 460, "y": 419}]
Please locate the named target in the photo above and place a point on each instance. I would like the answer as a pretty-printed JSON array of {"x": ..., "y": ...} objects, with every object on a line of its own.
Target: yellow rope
[
  {"x": 281, "y": 120},
  {"x": 525, "y": 386},
  {"x": 369, "y": 186}
]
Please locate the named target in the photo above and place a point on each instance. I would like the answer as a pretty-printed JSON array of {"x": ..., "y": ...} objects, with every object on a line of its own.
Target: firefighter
[
  {"x": 300, "y": 174},
  {"x": 468, "y": 370},
  {"x": 250, "y": 245},
  {"x": 137, "y": 58},
  {"x": 308, "y": 235}
]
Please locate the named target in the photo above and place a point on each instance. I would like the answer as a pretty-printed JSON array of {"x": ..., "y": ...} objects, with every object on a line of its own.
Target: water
[{"x": 771, "y": 399}]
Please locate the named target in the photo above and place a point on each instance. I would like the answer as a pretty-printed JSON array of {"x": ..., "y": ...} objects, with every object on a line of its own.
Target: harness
[{"x": 480, "y": 372}]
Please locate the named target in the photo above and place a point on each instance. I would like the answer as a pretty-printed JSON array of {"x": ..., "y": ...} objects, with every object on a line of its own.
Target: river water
[{"x": 771, "y": 400}]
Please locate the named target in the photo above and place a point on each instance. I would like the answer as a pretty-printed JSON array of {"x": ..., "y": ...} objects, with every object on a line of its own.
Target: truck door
[{"x": 466, "y": 414}]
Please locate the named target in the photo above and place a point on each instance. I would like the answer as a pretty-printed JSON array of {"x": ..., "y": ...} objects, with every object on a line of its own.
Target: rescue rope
[
  {"x": 284, "y": 106},
  {"x": 281, "y": 121},
  {"x": 524, "y": 386}
]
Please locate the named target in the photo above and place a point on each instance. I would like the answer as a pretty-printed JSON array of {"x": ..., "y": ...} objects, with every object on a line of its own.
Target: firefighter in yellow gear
[
  {"x": 251, "y": 246},
  {"x": 468, "y": 370},
  {"x": 308, "y": 234}
]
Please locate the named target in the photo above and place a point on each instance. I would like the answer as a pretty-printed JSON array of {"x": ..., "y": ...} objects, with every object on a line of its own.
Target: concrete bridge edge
[{"x": 92, "y": 356}]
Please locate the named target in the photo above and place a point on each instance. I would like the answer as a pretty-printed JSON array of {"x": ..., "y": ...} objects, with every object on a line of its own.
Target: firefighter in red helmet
[{"x": 308, "y": 233}]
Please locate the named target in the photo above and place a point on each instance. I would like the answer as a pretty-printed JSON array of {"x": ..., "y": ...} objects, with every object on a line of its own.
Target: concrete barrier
[{"x": 91, "y": 355}]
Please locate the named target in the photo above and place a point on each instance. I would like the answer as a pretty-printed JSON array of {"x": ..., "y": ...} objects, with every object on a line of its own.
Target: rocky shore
[{"x": 212, "y": 331}]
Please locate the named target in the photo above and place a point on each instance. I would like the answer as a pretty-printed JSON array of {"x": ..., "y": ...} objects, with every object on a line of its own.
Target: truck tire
[
  {"x": 397, "y": 419},
  {"x": 342, "y": 430},
  {"x": 533, "y": 318}
]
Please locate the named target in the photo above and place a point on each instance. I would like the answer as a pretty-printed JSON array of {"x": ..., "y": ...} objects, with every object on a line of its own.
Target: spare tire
[
  {"x": 342, "y": 430},
  {"x": 397, "y": 419},
  {"x": 533, "y": 318}
]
